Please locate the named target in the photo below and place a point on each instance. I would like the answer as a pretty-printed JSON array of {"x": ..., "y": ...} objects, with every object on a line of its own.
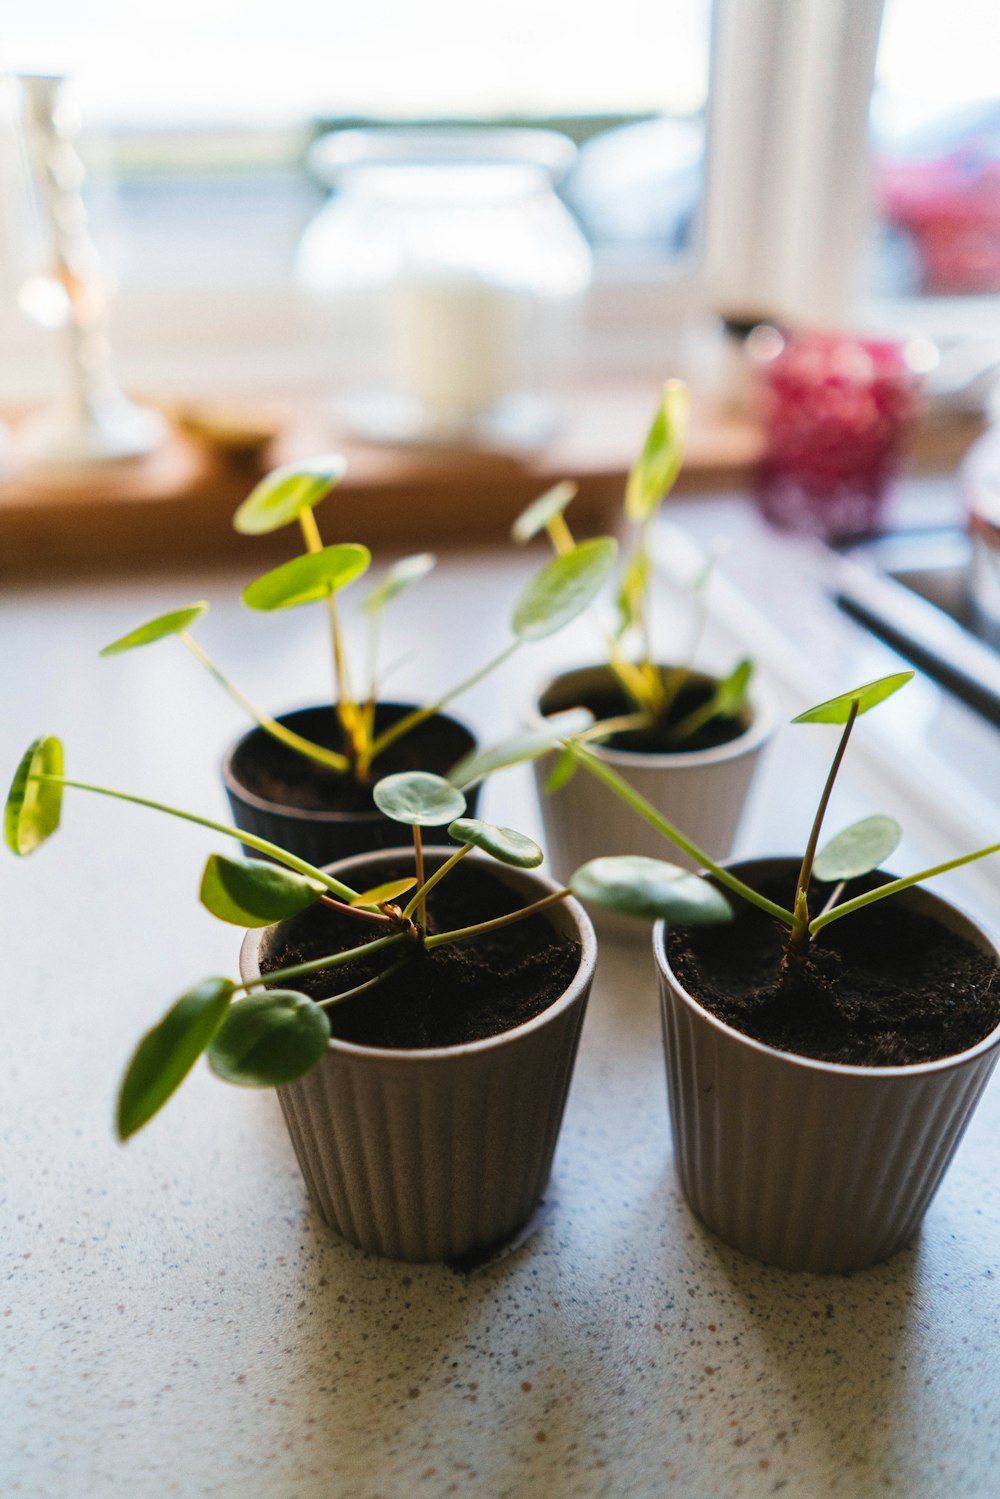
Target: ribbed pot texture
[
  {"x": 702, "y": 791},
  {"x": 805, "y": 1164},
  {"x": 436, "y": 1154},
  {"x": 318, "y": 835}
]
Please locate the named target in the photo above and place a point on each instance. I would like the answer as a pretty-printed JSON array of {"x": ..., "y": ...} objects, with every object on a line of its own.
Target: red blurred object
[{"x": 836, "y": 413}]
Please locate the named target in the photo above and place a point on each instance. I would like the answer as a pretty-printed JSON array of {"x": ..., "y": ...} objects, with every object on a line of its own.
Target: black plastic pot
[{"x": 322, "y": 834}]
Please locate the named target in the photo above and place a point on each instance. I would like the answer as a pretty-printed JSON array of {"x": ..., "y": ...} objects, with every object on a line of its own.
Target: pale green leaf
[
  {"x": 650, "y": 888},
  {"x": 32, "y": 810},
  {"x": 315, "y": 575},
  {"x": 838, "y": 709},
  {"x": 562, "y": 772},
  {"x": 419, "y": 799},
  {"x": 283, "y": 495},
  {"x": 563, "y": 588},
  {"x": 542, "y": 511},
  {"x": 254, "y": 893},
  {"x": 402, "y": 573},
  {"x": 479, "y": 763},
  {"x": 157, "y": 629},
  {"x": 859, "y": 849},
  {"x": 653, "y": 474},
  {"x": 378, "y": 895},
  {"x": 505, "y": 844}
]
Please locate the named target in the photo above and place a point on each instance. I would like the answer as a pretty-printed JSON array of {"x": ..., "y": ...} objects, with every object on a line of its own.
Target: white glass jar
[{"x": 448, "y": 266}]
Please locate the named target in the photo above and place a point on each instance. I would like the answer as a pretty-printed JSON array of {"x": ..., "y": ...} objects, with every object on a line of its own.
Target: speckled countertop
[{"x": 177, "y": 1321}]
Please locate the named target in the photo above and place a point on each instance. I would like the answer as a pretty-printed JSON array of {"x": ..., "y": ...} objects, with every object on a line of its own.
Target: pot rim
[
  {"x": 762, "y": 725},
  {"x": 334, "y": 816},
  {"x": 816, "y": 1064},
  {"x": 584, "y": 933}
]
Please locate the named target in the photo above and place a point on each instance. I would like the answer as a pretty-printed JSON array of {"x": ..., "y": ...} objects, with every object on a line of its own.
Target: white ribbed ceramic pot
[
  {"x": 805, "y": 1164},
  {"x": 435, "y": 1154},
  {"x": 702, "y": 791}
]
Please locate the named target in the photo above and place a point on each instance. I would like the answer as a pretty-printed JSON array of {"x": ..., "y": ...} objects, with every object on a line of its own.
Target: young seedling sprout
[
  {"x": 274, "y": 1033},
  {"x": 560, "y": 591},
  {"x": 651, "y": 690}
]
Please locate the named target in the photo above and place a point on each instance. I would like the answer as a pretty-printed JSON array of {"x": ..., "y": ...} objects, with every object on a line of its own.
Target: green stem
[
  {"x": 560, "y": 535},
  {"x": 801, "y": 927},
  {"x": 333, "y": 960},
  {"x": 250, "y": 839},
  {"x": 894, "y": 886},
  {"x": 646, "y": 810},
  {"x": 695, "y": 720},
  {"x": 330, "y": 758},
  {"x": 422, "y": 892},
  {"x": 418, "y": 860},
  {"x": 620, "y": 725},
  {"x": 346, "y": 707},
  {"x": 380, "y": 978},
  {"x": 419, "y": 715},
  {"x": 440, "y": 938}
]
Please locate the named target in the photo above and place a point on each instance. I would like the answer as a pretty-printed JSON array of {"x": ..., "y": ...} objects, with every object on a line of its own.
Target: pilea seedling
[
  {"x": 561, "y": 590},
  {"x": 652, "y": 690},
  {"x": 274, "y": 1033}
]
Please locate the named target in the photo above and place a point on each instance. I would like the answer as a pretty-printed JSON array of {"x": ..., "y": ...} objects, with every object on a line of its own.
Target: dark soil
[
  {"x": 882, "y": 988},
  {"x": 275, "y": 773},
  {"x": 658, "y": 739},
  {"x": 461, "y": 992}
]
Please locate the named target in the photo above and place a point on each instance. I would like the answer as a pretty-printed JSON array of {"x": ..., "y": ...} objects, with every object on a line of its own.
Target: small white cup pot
[
  {"x": 437, "y": 1154},
  {"x": 805, "y": 1164}
]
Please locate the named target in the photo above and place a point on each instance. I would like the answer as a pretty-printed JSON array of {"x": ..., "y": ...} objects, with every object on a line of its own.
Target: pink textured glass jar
[{"x": 836, "y": 413}]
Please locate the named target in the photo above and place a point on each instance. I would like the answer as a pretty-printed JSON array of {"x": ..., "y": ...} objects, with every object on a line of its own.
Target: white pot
[{"x": 702, "y": 791}]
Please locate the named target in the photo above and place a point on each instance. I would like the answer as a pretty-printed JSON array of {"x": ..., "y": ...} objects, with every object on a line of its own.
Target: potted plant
[
  {"x": 420, "y": 1030},
  {"x": 826, "y": 1051},
  {"x": 304, "y": 779},
  {"x": 687, "y": 741}
]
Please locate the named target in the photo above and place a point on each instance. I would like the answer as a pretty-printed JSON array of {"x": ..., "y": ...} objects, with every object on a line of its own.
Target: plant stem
[
  {"x": 498, "y": 921},
  {"x": 646, "y": 810},
  {"x": 419, "y": 715},
  {"x": 422, "y": 892},
  {"x": 332, "y": 960},
  {"x": 361, "y": 913},
  {"x": 619, "y": 725},
  {"x": 801, "y": 925},
  {"x": 833, "y": 897},
  {"x": 380, "y": 978},
  {"x": 330, "y": 758},
  {"x": 560, "y": 535},
  {"x": 314, "y": 543},
  {"x": 418, "y": 858},
  {"x": 894, "y": 886},
  {"x": 250, "y": 839}
]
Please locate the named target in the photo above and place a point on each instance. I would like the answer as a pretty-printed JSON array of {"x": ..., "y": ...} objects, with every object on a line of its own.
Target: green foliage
[
  {"x": 504, "y": 844},
  {"x": 859, "y": 849},
  {"x": 157, "y": 629},
  {"x": 378, "y": 895},
  {"x": 479, "y": 763},
  {"x": 166, "y": 1054},
  {"x": 630, "y": 600},
  {"x": 283, "y": 495},
  {"x": 31, "y": 813},
  {"x": 315, "y": 575},
  {"x": 563, "y": 588},
  {"x": 653, "y": 474},
  {"x": 561, "y": 773},
  {"x": 838, "y": 709},
  {"x": 402, "y": 573},
  {"x": 650, "y": 888},
  {"x": 419, "y": 799},
  {"x": 731, "y": 693},
  {"x": 541, "y": 512},
  {"x": 268, "y": 1039},
  {"x": 254, "y": 893}
]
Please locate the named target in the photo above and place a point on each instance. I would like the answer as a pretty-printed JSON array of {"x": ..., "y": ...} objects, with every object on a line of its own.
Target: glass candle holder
[{"x": 836, "y": 412}]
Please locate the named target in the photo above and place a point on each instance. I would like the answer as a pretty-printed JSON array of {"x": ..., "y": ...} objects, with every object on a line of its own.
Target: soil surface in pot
[
  {"x": 885, "y": 987},
  {"x": 658, "y": 739},
  {"x": 463, "y": 991},
  {"x": 272, "y": 771}
]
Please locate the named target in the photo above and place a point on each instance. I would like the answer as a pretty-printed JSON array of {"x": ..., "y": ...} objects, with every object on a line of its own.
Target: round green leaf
[
  {"x": 313, "y": 576},
  {"x": 254, "y": 893},
  {"x": 157, "y": 629},
  {"x": 483, "y": 762},
  {"x": 166, "y": 1054},
  {"x": 283, "y": 495},
  {"x": 563, "y": 588},
  {"x": 268, "y": 1039},
  {"x": 657, "y": 466},
  {"x": 858, "y": 849},
  {"x": 838, "y": 709},
  {"x": 543, "y": 510},
  {"x": 418, "y": 798},
  {"x": 32, "y": 810},
  {"x": 504, "y": 844},
  {"x": 379, "y": 894},
  {"x": 402, "y": 573},
  {"x": 650, "y": 888}
]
